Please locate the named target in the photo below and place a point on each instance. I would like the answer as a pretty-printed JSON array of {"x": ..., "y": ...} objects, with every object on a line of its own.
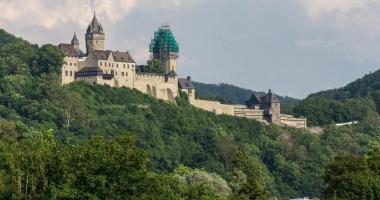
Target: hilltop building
[{"x": 118, "y": 69}]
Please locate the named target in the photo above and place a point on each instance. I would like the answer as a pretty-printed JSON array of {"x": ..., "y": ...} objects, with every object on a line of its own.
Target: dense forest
[
  {"x": 95, "y": 142},
  {"x": 353, "y": 102}
]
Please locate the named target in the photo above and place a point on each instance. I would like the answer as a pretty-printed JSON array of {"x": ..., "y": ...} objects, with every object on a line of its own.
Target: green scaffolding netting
[{"x": 163, "y": 40}]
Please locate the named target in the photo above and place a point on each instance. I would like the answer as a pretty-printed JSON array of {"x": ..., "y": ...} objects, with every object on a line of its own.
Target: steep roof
[
  {"x": 69, "y": 50},
  {"x": 95, "y": 26},
  {"x": 117, "y": 56},
  {"x": 75, "y": 39},
  {"x": 185, "y": 83},
  {"x": 91, "y": 69},
  {"x": 254, "y": 100},
  {"x": 257, "y": 99},
  {"x": 270, "y": 98}
]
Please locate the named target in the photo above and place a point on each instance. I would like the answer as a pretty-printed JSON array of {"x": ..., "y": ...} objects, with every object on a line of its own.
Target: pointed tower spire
[
  {"x": 95, "y": 35},
  {"x": 75, "y": 39},
  {"x": 75, "y": 42}
]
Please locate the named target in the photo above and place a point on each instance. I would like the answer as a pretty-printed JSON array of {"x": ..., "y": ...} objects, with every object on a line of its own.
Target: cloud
[
  {"x": 51, "y": 14},
  {"x": 318, "y": 9}
]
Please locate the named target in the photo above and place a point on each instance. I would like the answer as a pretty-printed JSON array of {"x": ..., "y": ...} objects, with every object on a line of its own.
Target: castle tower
[
  {"x": 164, "y": 47},
  {"x": 75, "y": 42},
  {"x": 95, "y": 36},
  {"x": 274, "y": 107}
]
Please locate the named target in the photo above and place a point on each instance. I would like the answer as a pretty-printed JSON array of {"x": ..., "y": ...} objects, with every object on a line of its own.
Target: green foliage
[
  {"x": 352, "y": 102},
  {"x": 322, "y": 111},
  {"x": 91, "y": 157},
  {"x": 153, "y": 66},
  {"x": 354, "y": 177}
]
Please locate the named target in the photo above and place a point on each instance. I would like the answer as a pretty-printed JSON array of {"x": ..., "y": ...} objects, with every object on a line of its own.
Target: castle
[{"x": 118, "y": 69}]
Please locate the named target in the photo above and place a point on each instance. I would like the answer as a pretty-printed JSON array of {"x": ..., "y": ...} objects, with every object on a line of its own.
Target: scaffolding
[{"x": 163, "y": 44}]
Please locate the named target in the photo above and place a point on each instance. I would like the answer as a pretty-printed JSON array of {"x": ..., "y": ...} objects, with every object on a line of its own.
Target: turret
[
  {"x": 164, "y": 47},
  {"x": 274, "y": 107},
  {"x": 95, "y": 36},
  {"x": 75, "y": 42}
]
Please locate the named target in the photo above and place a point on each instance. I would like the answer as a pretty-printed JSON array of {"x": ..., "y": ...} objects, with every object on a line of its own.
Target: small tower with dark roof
[
  {"x": 95, "y": 36},
  {"x": 273, "y": 106},
  {"x": 75, "y": 42}
]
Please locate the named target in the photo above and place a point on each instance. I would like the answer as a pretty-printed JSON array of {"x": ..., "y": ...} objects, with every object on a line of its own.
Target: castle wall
[
  {"x": 214, "y": 106},
  {"x": 289, "y": 120},
  {"x": 190, "y": 93},
  {"x": 124, "y": 73},
  {"x": 69, "y": 68},
  {"x": 243, "y": 111},
  {"x": 157, "y": 86}
]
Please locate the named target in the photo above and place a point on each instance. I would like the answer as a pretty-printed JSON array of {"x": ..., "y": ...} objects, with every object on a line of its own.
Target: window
[
  {"x": 126, "y": 73},
  {"x": 75, "y": 64},
  {"x": 124, "y": 66},
  {"x": 128, "y": 66},
  {"x": 122, "y": 73},
  {"x": 66, "y": 73},
  {"x": 71, "y": 73},
  {"x": 100, "y": 63},
  {"x": 109, "y": 64},
  {"x": 71, "y": 64},
  {"x": 117, "y": 65}
]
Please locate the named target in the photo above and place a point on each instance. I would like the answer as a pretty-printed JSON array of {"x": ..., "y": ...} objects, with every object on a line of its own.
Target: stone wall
[
  {"x": 289, "y": 120},
  {"x": 157, "y": 86},
  {"x": 214, "y": 106},
  {"x": 242, "y": 111},
  {"x": 69, "y": 68}
]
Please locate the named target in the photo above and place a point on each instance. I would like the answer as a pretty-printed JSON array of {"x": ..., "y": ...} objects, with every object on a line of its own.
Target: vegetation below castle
[
  {"x": 354, "y": 102},
  {"x": 97, "y": 142}
]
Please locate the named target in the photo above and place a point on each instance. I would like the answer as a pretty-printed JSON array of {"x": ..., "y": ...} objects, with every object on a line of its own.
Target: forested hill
[
  {"x": 356, "y": 101},
  {"x": 96, "y": 142},
  {"x": 233, "y": 94},
  {"x": 369, "y": 85},
  {"x": 6, "y": 38}
]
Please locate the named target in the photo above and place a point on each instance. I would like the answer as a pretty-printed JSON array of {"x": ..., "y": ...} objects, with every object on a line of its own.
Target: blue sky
[{"x": 294, "y": 47}]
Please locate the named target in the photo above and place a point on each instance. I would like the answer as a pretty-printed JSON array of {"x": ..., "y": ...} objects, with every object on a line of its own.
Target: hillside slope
[
  {"x": 356, "y": 101},
  {"x": 255, "y": 159}
]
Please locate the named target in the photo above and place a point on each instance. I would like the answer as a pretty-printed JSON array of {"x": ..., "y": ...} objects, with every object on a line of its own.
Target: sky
[{"x": 294, "y": 47}]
